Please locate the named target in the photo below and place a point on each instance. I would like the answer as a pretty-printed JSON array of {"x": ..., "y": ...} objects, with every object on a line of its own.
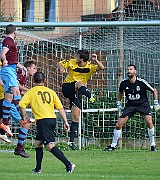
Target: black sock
[
  {"x": 59, "y": 154},
  {"x": 74, "y": 129},
  {"x": 39, "y": 157},
  {"x": 83, "y": 90}
]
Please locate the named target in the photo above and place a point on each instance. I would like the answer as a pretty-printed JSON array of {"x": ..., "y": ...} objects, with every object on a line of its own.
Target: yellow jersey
[
  {"x": 78, "y": 73},
  {"x": 1, "y": 92},
  {"x": 42, "y": 101}
]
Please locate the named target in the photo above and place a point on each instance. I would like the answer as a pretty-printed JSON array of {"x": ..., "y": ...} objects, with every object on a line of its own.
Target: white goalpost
[{"x": 48, "y": 43}]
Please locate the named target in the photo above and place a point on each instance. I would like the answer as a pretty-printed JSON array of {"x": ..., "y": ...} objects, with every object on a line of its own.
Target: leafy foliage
[
  {"x": 105, "y": 100},
  {"x": 3, "y": 17}
]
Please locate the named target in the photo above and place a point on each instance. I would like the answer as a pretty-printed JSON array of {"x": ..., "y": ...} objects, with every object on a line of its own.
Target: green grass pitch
[{"x": 90, "y": 165}]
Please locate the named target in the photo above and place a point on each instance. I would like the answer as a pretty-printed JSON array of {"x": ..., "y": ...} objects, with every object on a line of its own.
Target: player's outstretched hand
[{"x": 156, "y": 105}]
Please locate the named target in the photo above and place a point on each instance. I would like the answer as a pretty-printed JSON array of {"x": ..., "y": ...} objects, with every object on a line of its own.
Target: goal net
[{"x": 117, "y": 45}]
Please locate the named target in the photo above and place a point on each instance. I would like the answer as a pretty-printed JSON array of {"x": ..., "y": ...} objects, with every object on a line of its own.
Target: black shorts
[
  {"x": 75, "y": 97},
  {"x": 144, "y": 109},
  {"x": 1, "y": 110},
  {"x": 45, "y": 130}
]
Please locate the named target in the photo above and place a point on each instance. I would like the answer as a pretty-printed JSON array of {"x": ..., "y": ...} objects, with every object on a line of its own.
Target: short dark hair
[
  {"x": 133, "y": 66},
  {"x": 28, "y": 63},
  {"x": 39, "y": 77},
  {"x": 83, "y": 54},
  {"x": 10, "y": 29}
]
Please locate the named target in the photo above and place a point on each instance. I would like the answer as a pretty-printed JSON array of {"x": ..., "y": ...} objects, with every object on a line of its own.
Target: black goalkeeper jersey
[{"x": 136, "y": 93}]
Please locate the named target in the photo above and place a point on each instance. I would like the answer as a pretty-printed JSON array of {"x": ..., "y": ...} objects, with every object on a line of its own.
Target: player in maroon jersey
[
  {"x": 22, "y": 75},
  {"x": 22, "y": 79},
  {"x": 9, "y": 57}
]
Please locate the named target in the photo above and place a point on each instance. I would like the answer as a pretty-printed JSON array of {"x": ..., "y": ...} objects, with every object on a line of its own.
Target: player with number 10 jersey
[{"x": 47, "y": 100}]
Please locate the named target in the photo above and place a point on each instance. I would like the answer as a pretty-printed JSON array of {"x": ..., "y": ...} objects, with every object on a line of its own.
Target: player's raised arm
[{"x": 100, "y": 65}]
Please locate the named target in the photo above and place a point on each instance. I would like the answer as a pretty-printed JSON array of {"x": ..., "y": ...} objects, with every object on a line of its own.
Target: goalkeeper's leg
[
  {"x": 117, "y": 133},
  {"x": 149, "y": 122}
]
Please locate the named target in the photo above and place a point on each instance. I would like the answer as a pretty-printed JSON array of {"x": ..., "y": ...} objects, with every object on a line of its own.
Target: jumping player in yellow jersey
[
  {"x": 43, "y": 101},
  {"x": 79, "y": 71}
]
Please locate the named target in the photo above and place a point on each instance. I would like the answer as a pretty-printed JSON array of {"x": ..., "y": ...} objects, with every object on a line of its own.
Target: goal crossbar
[{"x": 83, "y": 24}]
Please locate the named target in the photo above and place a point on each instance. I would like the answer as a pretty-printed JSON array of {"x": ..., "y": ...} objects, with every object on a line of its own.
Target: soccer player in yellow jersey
[
  {"x": 43, "y": 101},
  {"x": 79, "y": 71}
]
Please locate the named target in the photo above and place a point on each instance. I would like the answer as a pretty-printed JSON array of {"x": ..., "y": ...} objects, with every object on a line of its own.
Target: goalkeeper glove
[
  {"x": 156, "y": 105},
  {"x": 119, "y": 107}
]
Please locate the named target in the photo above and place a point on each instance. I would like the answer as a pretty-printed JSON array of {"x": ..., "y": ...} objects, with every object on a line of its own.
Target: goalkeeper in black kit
[{"x": 135, "y": 90}]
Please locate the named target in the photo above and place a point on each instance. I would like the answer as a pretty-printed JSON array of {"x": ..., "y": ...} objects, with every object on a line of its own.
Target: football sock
[
  {"x": 15, "y": 114},
  {"x": 6, "y": 111},
  {"x": 16, "y": 100},
  {"x": 83, "y": 90},
  {"x": 117, "y": 134},
  {"x": 151, "y": 136},
  {"x": 39, "y": 157},
  {"x": 59, "y": 154},
  {"x": 74, "y": 128},
  {"x": 21, "y": 137}
]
